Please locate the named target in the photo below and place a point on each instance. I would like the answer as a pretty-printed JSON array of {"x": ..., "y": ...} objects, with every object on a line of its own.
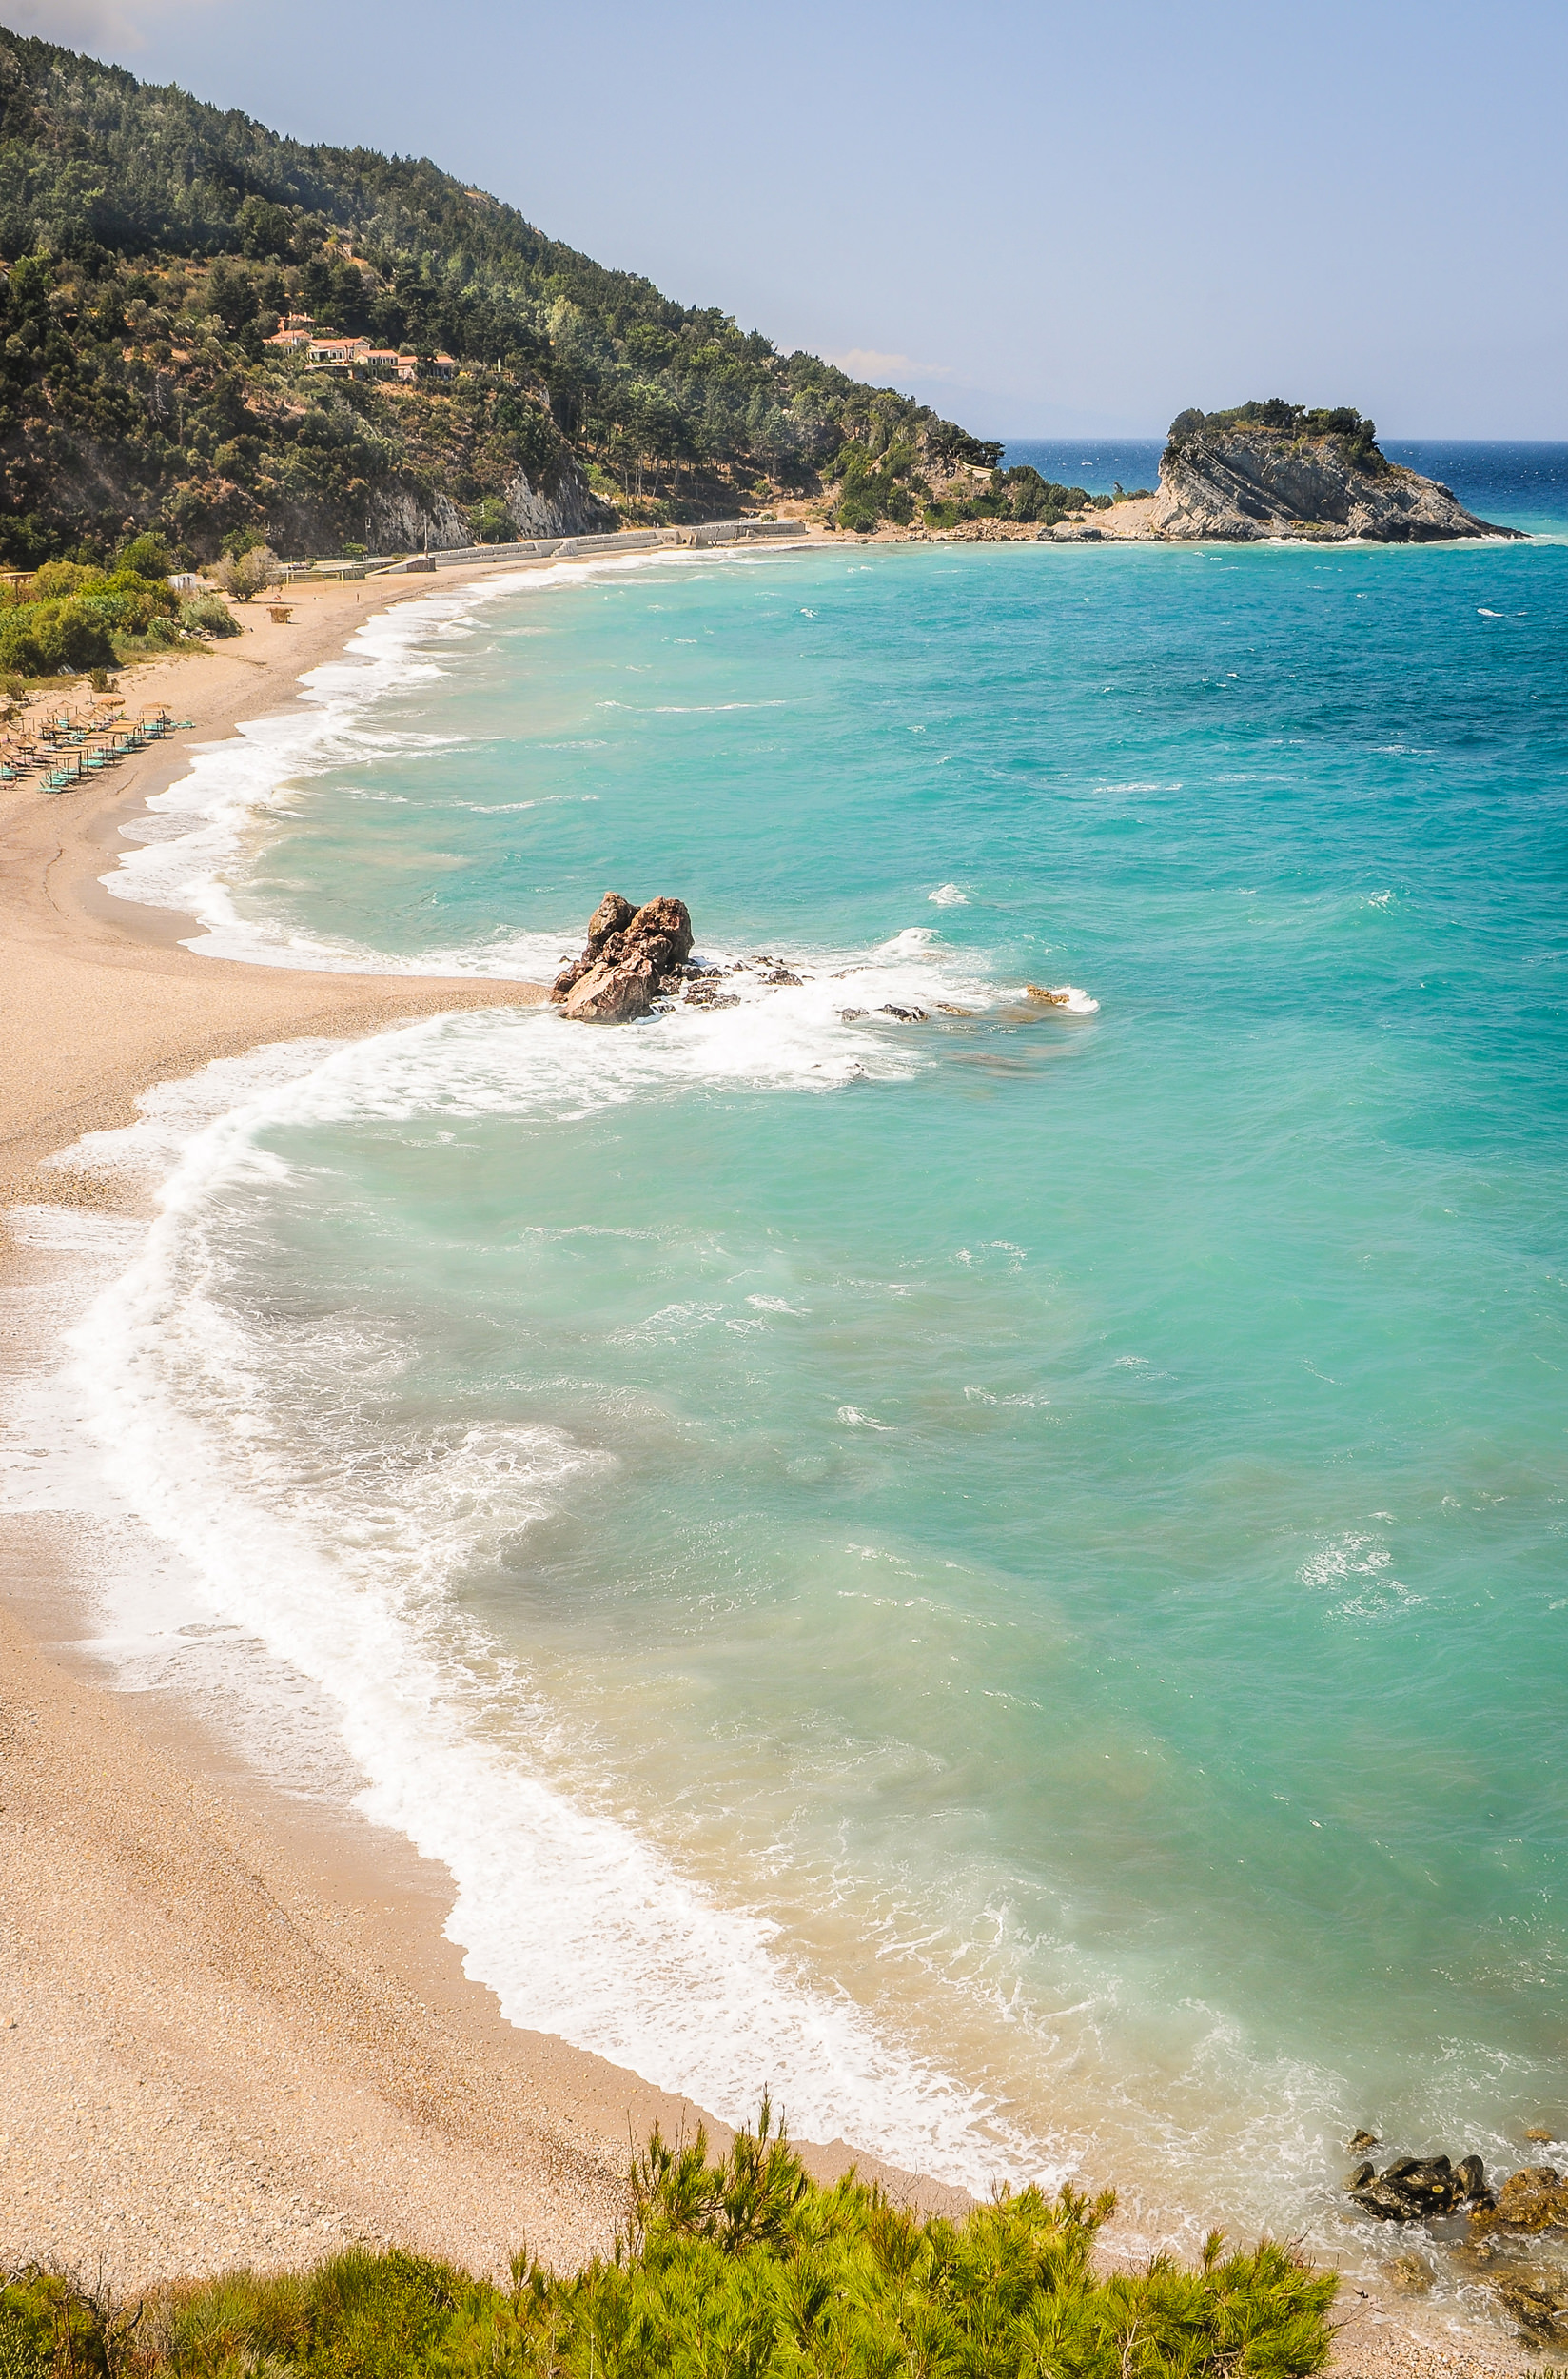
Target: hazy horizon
[{"x": 1045, "y": 225}]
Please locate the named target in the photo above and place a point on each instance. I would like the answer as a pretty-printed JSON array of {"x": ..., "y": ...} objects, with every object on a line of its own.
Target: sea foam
[{"x": 443, "y": 1727}]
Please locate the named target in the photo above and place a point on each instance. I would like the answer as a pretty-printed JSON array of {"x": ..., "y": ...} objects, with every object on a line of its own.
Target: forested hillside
[{"x": 154, "y": 246}]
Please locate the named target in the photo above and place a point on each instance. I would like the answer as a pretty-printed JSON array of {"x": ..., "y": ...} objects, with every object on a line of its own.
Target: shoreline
[
  {"x": 98, "y": 1001},
  {"x": 252, "y": 2042},
  {"x": 262, "y": 2012}
]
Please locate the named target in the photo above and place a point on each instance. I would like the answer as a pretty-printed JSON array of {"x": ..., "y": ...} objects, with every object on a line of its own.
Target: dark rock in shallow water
[
  {"x": 1363, "y": 2140},
  {"x": 705, "y": 993},
  {"x": 1414, "y": 2188},
  {"x": 905, "y": 1015},
  {"x": 631, "y": 954}
]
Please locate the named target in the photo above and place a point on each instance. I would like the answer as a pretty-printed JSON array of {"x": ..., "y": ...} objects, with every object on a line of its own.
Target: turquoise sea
[{"x": 1006, "y": 1574}]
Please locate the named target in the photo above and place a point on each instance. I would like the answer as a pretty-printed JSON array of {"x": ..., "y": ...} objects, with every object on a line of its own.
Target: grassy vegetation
[
  {"x": 157, "y": 243},
  {"x": 1024, "y": 496},
  {"x": 743, "y": 2268}
]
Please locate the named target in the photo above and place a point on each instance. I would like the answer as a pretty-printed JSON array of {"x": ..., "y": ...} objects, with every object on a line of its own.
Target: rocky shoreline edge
[{"x": 1510, "y": 2241}]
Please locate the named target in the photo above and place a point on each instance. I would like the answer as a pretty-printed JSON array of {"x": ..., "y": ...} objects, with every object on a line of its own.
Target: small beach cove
[{"x": 325, "y": 1019}]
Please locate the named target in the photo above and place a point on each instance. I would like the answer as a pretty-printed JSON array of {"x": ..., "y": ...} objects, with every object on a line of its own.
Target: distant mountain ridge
[{"x": 166, "y": 237}]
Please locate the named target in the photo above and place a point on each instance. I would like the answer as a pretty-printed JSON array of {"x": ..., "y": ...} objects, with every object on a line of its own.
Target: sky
[{"x": 1044, "y": 220}]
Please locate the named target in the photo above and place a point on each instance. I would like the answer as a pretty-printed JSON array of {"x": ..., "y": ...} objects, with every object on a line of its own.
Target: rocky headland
[{"x": 1271, "y": 469}]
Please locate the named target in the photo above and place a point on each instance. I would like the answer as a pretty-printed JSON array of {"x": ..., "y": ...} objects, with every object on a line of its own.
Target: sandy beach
[{"x": 230, "y": 2030}]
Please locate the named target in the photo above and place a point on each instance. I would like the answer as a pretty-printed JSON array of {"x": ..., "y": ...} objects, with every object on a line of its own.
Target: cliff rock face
[
  {"x": 401, "y": 518},
  {"x": 1227, "y": 477},
  {"x": 572, "y": 510}
]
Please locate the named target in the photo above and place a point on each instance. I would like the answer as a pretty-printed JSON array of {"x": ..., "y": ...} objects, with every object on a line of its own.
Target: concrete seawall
[{"x": 560, "y": 548}]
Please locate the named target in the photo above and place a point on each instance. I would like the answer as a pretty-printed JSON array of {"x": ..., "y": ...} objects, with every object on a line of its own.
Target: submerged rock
[
  {"x": 632, "y": 957},
  {"x": 1535, "y": 2199},
  {"x": 1539, "y": 2302}
]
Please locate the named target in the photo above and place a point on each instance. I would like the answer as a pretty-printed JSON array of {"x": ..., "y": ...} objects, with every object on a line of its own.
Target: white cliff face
[
  {"x": 399, "y": 522},
  {"x": 1243, "y": 482},
  {"x": 402, "y": 522},
  {"x": 572, "y": 511}
]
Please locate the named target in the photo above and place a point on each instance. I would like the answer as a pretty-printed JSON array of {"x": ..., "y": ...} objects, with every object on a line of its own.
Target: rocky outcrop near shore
[
  {"x": 1273, "y": 470},
  {"x": 1414, "y": 2188},
  {"x": 1511, "y": 2245},
  {"x": 632, "y": 957}
]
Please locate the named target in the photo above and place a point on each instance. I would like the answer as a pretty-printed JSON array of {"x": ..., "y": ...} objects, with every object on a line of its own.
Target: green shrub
[
  {"x": 207, "y": 615},
  {"x": 48, "y": 640},
  {"x": 249, "y": 575},
  {"x": 47, "y": 2327},
  {"x": 146, "y": 556},
  {"x": 857, "y": 511},
  {"x": 54, "y": 579},
  {"x": 743, "y": 2268},
  {"x": 25, "y": 2344},
  {"x": 491, "y": 523}
]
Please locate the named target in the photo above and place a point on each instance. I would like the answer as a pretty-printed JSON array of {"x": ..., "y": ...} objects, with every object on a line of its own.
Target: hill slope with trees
[{"x": 154, "y": 244}]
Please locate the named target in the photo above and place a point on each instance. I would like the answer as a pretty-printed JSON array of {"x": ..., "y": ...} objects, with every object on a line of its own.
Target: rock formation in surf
[
  {"x": 1412, "y": 2188},
  {"x": 1273, "y": 470},
  {"x": 632, "y": 957}
]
